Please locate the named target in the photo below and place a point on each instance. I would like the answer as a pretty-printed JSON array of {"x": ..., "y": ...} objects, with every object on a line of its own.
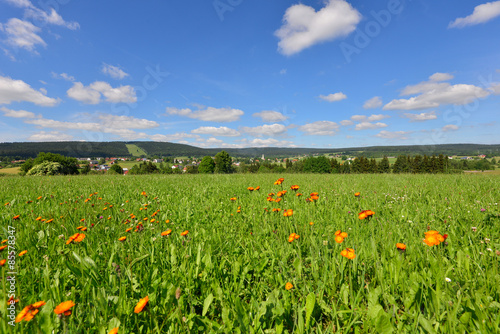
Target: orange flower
[
  {"x": 2, "y": 262},
  {"x": 113, "y": 331},
  {"x": 232, "y": 199},
  {"x": 80, "y": 237},
  {"x": 3, "y": 247},
  {"x": 143, "y": 193},
  {"x": 79, "y": 227},
  {"x": 64, "y": 307},
  {"x": 23, "y": 253},
  {"x": 16, "y": 217},
  {"x": 277, "y": 200},
  {"x": 401, "y": 246},
  {"x": 288, "y": 213},
  {"x": 294, "y": 187},
  {"x": 141, "y": 304},
  {"x": 184, "y": 233},
  {"x": 339, "y": 239},
  {"x": 4, "y": 241},
  {"x": 434, "y": 238},
  {"x": 20, "y": 317},
  {"x": 348, "y": 253},
  {"x": 251, "y": 188},
  {"x": 357, "y": 194},
  {"x": 38, "y": 218},
  {"x": 38, "y": 304},
  {"x": 270, "y": 199},
  {"x": 122, "y": 238},
  {"x": 299, "y": 194},
  {"x": 257, "y": 188},
  {"x": 311, "y": 223},
  {"x": 129, "y": 229},
  {"x": 165, "y": 233},
  {"x": 72, "y": 238},
  {"x": 39, "y": 197},
  {"x": 49, "y": 221},
  {"x": 270, "y": 194},
  {"x": 276, "y": 209},
  {"x": 288, "y": 286},
  {"x": 365, "y": 214}
]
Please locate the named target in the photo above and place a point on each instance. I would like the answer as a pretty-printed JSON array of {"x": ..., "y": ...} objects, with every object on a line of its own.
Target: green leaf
[
  {"x": 207, "y": 303},
  {"x": 310, "y": 303}
]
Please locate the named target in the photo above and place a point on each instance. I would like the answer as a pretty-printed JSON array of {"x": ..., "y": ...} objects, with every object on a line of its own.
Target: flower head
[
  {"x": 288, "y": 286},
  {"x": 64, "y": 307},
  {"x": 141, "y": 304},
  {"x": 401, "y": 246},
  {"x": 165, "y": 233},
  {"x": 357, "y": 194},
  {"x": 184, "y": 233}
]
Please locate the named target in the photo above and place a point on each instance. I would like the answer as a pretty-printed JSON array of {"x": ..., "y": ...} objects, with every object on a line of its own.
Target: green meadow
[{"x": 229, "y": 273}]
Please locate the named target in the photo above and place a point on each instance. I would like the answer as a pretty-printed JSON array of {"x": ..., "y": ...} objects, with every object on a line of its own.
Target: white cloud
[
  {"x": 50, "y": 136},
  {"x": 482, "y": 13},
  {"x": 402, "y": 135},
  {"x": 113, "y": 71},
  {"x": 371, "y": 118},
  {"x": 257, "y": 142},
  {"x": 17, "y": 113},
  {"x": 92, "y": 94},
  {"x": 425, "y": 116},
  {"x": 214, "y": 131},
  {"x": 436, "y": 77},
  {"x": 125, "y": 122},
  {"x": 209, "y": 114},
  {"x": 17, "y": 90},
  {"x": 265, "y": 130},
  {"x": 23, "y": 34},
  {"x": 369, "y": 126},
  {"x": 303, "y": 27},
  {"x": 333, "y": 97},
  {"x": 374, "y": 102},
  {"x": 320, "y": 128},
  {"x": 52, "y": 18},
  {"x": 174, "y": 137},
  {"x": 495, "y": 88},
  {"x": 449, "y": 127},
  {"x": 271, "y": 116},
  {"x": 64, "y": 76},
  {"x": 210, "y": 142},
  {"x": 432, "y": 94},
  {"x": 346, "y": 122},
  {"x": 20, "y": 3}
]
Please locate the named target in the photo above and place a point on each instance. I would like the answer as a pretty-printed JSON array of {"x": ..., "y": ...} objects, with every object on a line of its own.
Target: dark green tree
[
  {"x": 223, "y": 163},
  {"x": 317, "y": 165},
  {"x": 384, "y": 166},
  {"x": 116, "y": 168},
  {"x": 207, "y": 165}
]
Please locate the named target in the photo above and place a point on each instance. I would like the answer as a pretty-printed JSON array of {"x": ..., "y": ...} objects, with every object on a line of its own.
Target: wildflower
[
  {"x": 339, "y": 239},
  {"x": 113, "y": 331},
  {"x": 433, "y": 238},
  {"x": 357, "y": 194},
  {"x": 3, "y": 247},
  {"x": 64, "y": 307},
  {"x": 294, "y": 187},
  {"x": 474, "y": 229},
  {"x": 80, "y": 237},
  {"x": 141, "y": 305},
  {"x": 184, "y": 233},
  {"x": 72, "y": 238},
  {"x": 165, "y": 233},
  {"x": 311, "y": 223},
  {"x": 144, "y": 193},
  {"x": 400, "y": 246},
  {"x": 39, "y": 197},
  {"x": 447, "y": 279},
  {"x": 38, "y": 218},
  {"x": 288, "y": 213},
  {"x": 4, "y": 241},
  {"x": 23, "y": 253},
  {"x": 12, "y": 300},
  {"x": 16, "y": 217},
  {"x": 270, "y": 194},
  {"x": 293, "y": 237},
  {"x": 122, "y": 238},
  {"x": 365, "y": 214},
  {"x": 348, "y": 253},
  {"x": 232, "y": 199},
  {"x": 277, "y": 200},
  {"x": 288, "y": 286},
  {"x": 483, "y": 209},
  {"x": 257, "y": 188},
  {"x": 49, "y": 221},
  {"x": 251, "y": 188},
  {"x": 129, "y": 229},
  {"x": 2, "y": 262},
  {"x": 270, "y": 199},
  {"x": 276, "y": 209},
  {"x": 298, "y": 194}
]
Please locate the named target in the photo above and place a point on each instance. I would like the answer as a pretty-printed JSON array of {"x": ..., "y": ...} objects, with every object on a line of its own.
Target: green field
[
  {"x": 135, "y": 150},
  {"x": 229, "y": 273}
]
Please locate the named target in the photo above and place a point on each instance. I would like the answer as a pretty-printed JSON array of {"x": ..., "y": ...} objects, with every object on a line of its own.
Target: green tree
[
  {"x": 116, "y": 168},
  {"x": 384, "y": 166},
  {"x": 223, "y": 163},
  {"x": 45, "y": 168},
  {"x": 317, "y": 165},
  {"x": 207, "y": 165}
]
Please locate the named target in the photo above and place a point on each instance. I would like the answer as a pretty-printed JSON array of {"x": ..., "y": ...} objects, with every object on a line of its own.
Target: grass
[
  {"x": 229, "y": 273},
  {"x": 11, "y": 170},
  {"x": 135, "y": 150}
]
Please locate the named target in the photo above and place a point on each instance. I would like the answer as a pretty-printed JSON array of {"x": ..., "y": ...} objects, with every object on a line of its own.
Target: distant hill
[{"x": 128, "y": 149}]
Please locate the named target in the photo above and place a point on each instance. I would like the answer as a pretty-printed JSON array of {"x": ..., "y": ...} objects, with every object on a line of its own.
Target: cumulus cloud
[
  {"x": 50, "y": 18},
  {"x": 265, "y": 130},
  {"x": 481, "y": 14},
  {"x": 113, "y": 71},
  {"x": 270, "y": 116},
  {"x": 304, "y": 27},
  {"x": 174, "y": 137},
  {"x": 346, "y": 122},
  {"x": 17, "y": 90},
  {"x": 214, "y": 131},
  {"x": 425, "y": 116},
  {"x": 258, "y": 142},
  {"x": 369, "y": 126},
  {"x": 436, "y": 77},
  {"x": 64, "y": 76},
  {"x": 432, "y": 94},
  {"x": 17, "y": 113},
  {"x": 209, "y": 114},
  {"x": 402, "y": 135},
  {"x": 449, "y": 127},
  {"x": 92, "y": 94},
  {"x": 23, "y": 34},
  {"x": 50, "y": 136},
  {"x": 333, "y": 97},
  {"x": 320, "y": 128},
  {"x": 373, "y": 103},
  {"x": 371, "y": 118}
]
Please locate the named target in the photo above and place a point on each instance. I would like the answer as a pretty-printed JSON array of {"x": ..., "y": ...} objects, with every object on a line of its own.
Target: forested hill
[{"x": 138, "y": 148}]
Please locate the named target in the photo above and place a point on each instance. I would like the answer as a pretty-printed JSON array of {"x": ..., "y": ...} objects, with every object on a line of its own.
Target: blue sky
[{"x": 241, "y": 73}]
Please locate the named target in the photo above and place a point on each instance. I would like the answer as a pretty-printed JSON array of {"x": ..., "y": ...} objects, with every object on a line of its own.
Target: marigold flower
[
  {"x": 294, "y": 187},
  {"x": 16, "y": 217},
  {"x": 298, "y": 194},
  {"x": 20, "y": 317},
  {"x": 251, "y": 188},
  {"x": 288, "y": 213},
  {"x": 401, "y": 246},
  {"x": 141, "y": 304},
  {"x": 23, "y": 253},
  {"x": 339, "y": 239},
  {"x": 232, "y": 199},
  {"x": 122, "y": 238},
  {"x": 72, "y": 238},
  {"x": 49, "y": 221},
  {"x": 357, "y": 194},
  {"x": 38, "y": 304},
  {"x": 288, "y": 286},
  {"x": 277, "y": 200},
  {"x": 365, "y": 214},
  {"x": 129, "y": 229},
  {"x": 113, "y": 331},
  {"x": 80, "y": 237},
  {"x": 348, "y": 253},
  {"x": 257, "y": 188},
  {"x": 64, "y": 307},
  {"x": 184, "y": 233},
  {"x": 38, "y": 218},
  {"x": 165, "y": 233},
  {"x": 2, "y": 262},
  {"x": 3, "y": 247},
  {"x": 4, "y": 241}
]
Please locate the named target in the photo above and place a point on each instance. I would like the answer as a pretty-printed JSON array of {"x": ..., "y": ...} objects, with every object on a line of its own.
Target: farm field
[{"x": 233, "y": 261}]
